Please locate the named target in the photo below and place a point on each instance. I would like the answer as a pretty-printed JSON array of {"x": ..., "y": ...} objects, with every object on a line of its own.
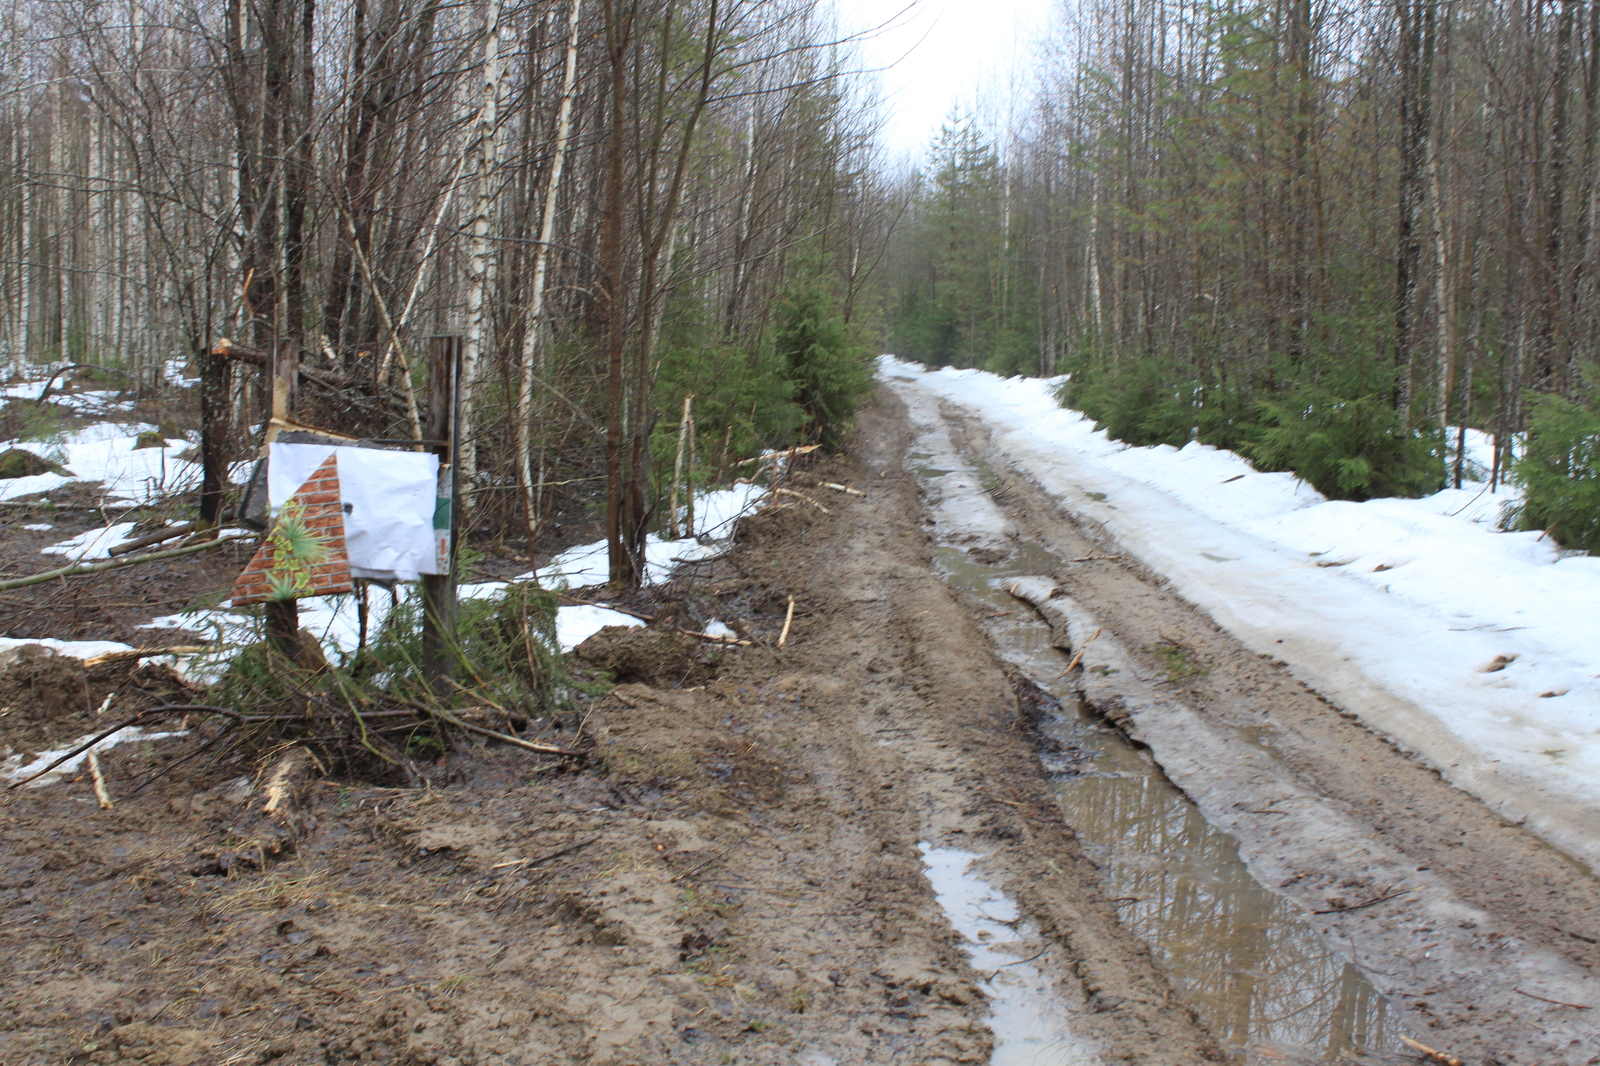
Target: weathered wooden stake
[
  {"x": 439, "y": 591},
  {"x": 283, "y": 616},
  {"x": 689, "y": 483}
]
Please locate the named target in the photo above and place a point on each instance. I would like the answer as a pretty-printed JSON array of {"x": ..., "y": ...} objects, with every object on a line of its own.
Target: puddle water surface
[
  {"x": 1028, "y": 1019},
  {"x": 1260, "y": 978}
]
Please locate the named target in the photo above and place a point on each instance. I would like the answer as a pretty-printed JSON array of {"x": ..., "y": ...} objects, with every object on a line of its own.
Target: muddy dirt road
[{"x": 883, "y": 842}]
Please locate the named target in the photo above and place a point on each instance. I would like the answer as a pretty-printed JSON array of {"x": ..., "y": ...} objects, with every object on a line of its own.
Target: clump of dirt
[
  {"x": 653, "y": 656},
  {"x": 19, "y": 462},
  {"x": 49, "y": 700},
  {"x": 45, "y": 699},
  {"x": 771, "y": 525},
  {"x": 143, "y": 1042},
  {"x": 665, "y": 740}
]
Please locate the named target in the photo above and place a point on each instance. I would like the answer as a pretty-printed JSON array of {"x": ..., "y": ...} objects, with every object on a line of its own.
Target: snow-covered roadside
[{"x": 1392, "y": 608}]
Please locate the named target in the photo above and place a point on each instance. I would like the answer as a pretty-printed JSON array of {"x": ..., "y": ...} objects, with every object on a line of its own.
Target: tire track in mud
[{"x": 1537, "y": 906}]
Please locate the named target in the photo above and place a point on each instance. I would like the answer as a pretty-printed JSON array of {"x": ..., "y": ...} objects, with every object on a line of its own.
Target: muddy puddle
[
  {"x": 1027, "y": 1016},
  {"x": 1261, "y": 979}
]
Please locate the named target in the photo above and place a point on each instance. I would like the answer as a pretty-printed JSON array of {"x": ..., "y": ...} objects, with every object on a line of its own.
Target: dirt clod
[{"x": 649, "y": 656}]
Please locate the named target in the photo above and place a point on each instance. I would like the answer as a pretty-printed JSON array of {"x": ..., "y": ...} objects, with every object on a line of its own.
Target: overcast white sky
[{"x": 940, "y": 53}]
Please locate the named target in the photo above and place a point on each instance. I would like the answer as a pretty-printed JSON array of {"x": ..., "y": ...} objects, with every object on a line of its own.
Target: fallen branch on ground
[
  {"x": 144, "y": 653},
  {"x": 803, "y": 449},
  {"x": 165, "y": 710},
  {"x": 80, "y": 570},
  {"x": 802, "y": 496},
  {"x": 543, "y": 749},
  {"x": 100, "y": 791},
  {"x": 591, "y": 603},
  {"x": 1555, "y": 1002},
  {"x": 157, "y": 537},
  {"x": 1360, "y": 906},
  {"x": 835, "y": 486},
  {"x": 1430, "y": 1054},
  {"x": 538, "y": 860},
  {"x": 720, "y": 640}
]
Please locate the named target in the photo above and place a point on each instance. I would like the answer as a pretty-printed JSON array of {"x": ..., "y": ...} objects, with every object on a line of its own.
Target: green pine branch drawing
[{"x": 296, "y": 550}]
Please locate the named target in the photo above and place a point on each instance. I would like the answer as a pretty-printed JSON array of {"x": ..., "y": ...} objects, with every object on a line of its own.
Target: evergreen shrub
[
  {"x": 830, "y": 370},
  {"x": 1559, "y": 471}
]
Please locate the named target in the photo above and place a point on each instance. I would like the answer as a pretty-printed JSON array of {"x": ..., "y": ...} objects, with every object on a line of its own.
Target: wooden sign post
[{"x": 439, "y": 591}]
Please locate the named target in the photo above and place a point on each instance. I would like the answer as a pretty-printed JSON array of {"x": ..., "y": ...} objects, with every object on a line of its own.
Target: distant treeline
[{"x": 1319, "y": 233}]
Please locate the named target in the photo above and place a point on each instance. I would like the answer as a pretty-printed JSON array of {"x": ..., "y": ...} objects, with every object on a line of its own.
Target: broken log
[
  {"x": 157, "y": 537},
  {"x": 101, "y": 793},
  {"x": 284, "y": 786}
]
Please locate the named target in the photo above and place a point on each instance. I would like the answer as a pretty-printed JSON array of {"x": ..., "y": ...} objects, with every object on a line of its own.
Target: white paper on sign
[{"x": 388, "y": 499}]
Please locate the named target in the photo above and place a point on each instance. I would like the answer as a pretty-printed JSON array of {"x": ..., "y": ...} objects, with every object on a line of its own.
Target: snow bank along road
[{"x": 1475, "y": 649}]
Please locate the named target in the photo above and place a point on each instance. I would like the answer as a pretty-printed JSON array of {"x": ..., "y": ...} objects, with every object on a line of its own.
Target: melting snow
[{"x": 93, "y": 543}]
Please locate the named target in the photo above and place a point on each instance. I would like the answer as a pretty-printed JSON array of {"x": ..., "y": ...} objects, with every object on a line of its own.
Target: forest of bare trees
[
  {"x": 1317, "y": 232},
  {"x": 613, "y": 203}
]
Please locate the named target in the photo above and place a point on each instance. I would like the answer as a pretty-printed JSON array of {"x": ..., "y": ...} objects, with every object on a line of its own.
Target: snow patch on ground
[
  {"x": 1029, "y": 1020},
  {"x": 78, "y": 649},
  {"x": 92, "y": 543},
  {"x": 105, "y": 452},
  {"x": 715, "y": 513},
  {"x": 13, "y": 769},
  {"x": 1392, "y": 608},
  {"x": 577, "y": 623}
]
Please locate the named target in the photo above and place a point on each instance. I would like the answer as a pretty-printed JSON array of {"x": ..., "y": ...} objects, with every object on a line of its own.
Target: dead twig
[
  {"x": 716, "y": 639},
  {"x": 1430, "y": 1054},
  {"x": 160, "y": 535},
  {"x": 803, "y": 449},
  {"x": 1556, "y": 1002},
  {"x": 144, "y": 653},
  {"x": 543, "y": 749},
  {"x": 591, "y": 603},
  {"x": 165, "y": 710},
  {"x": 836, "y": 487},
  {"x": 1369, "y": 903},
  {"x": 541, "y": 859},
  {"x": 788, "y": 620},
  {"x": 1076, "y": 659}
]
